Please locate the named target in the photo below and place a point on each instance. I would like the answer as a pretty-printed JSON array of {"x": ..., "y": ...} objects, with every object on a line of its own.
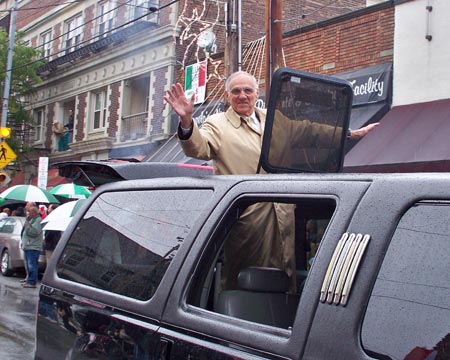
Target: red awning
[{"x": 410, "y": 138}]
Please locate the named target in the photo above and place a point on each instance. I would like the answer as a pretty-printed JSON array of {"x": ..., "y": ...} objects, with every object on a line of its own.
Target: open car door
[{"x": 307, "y": 123}]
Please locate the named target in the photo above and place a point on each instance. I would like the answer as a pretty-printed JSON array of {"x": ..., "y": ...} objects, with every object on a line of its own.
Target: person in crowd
[
  {"x": 24, "y": 212},
  {"x": 32, "y": 245},
  {"x": 232, "y": 139},
  {"x": 20, "y": 211},
  {"x": 69, "y": 129},
  {"x": 5, "y": 213},
  {"x": 51, "y": 237},
  {"x": 43, "y": 211},
  {"x": 59, "y": 131}
]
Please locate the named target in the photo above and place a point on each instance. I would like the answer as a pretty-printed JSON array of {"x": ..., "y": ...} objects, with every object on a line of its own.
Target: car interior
[{"x": 264, "y": 294}]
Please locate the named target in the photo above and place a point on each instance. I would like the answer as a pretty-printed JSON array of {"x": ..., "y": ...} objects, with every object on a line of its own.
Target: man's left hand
[{"x": 359, "y": 133}]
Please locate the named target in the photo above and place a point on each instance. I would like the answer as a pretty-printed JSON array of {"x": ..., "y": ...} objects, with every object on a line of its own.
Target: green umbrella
[
  {"x": 28, "y": 193},
  {"x": 71, "y": 191}
]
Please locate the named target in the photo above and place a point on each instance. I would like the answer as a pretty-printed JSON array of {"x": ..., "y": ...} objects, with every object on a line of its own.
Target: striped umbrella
[
  {"x": 71, "y": 191},
  {"x": 28, "y": 193},
  {"x": 60, "y": 218}
]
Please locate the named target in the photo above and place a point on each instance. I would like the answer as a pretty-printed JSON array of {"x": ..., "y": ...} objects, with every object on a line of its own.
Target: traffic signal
[
  {"x": 5, "y": 132},
  {"x": 4, "y": 178}
]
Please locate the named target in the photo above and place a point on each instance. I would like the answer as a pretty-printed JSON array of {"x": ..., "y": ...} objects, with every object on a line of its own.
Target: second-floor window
[
  {"x": 148, "y": 8},
  {"x": 46, "y": 44},
  {"x": 74, "y": 28},
  {"x": 106, "y": 17},
  {"x": 99, "y": 110},
  {"x": 38, "y": 125}
]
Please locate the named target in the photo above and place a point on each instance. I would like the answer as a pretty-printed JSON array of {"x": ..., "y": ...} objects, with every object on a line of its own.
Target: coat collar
[{"x": 235, "y": 119}]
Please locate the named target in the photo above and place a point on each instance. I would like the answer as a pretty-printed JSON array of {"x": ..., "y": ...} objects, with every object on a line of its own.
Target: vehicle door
[
  {"x": 11, "y": 253},
  {"x": 264, "y": 322},
  {"x": 106, "y": 285},
  {"x": 398, "y": 305},
  {"x": 305, "y": 131}
]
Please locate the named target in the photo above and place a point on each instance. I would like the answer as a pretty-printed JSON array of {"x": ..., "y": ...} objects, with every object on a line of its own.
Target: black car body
[
  {"x": 137, "y": 274},
  {"x": 155, "y": 293}
]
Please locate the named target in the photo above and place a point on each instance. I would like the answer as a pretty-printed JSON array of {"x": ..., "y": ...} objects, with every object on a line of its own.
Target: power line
[
  {"x": 42, "y": 7},
  {"x": 84, "y": 23},
  {"x": 105, "y": 32},
  {"x": 96, "y": 36},
  {"x": 312, "y": 12},
  {"x": 30, "y": 15},
  {"x": 81, "y": 26}
]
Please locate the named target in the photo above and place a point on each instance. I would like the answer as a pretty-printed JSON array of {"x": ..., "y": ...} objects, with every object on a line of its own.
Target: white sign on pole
[{"x": 43, "y": 172}]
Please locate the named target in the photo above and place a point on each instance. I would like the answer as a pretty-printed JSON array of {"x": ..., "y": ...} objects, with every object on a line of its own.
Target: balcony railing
[
  {"x": 86, "y": 49},
  {"x": 134, "y": 127}
]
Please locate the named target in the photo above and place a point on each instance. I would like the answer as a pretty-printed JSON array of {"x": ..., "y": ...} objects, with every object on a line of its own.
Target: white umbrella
[
  {"x": 61, "y": 217},
  {"x": 28, "y": 193}
]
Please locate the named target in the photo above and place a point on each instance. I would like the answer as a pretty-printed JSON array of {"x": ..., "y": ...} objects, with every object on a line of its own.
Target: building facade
[
  {"x": 413, "y": 135},
  {"x": 104, "y": 63},
  {"x": 110, "y": 62}
]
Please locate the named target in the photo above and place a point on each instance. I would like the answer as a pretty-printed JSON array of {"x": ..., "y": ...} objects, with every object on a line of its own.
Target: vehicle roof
[
  {"x": 412, "y": 178},
  {"x": 96, "y": 173}
]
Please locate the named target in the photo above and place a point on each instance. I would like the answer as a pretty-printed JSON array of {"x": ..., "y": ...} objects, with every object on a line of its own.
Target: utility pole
[
  {"x": 233, "y": 37},
  {"x": 7, "y": 84},
  {"x": 274, "y": 38}
]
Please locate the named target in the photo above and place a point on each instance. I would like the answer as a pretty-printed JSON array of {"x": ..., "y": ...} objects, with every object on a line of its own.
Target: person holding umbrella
[
  {"x": 32, "y": 245},
  {"x": 51, "y": 237},
  {"x": 25, "y": 212}
]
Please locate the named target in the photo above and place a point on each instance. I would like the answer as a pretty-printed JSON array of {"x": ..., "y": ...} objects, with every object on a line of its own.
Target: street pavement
[{"x": 17, "y": 319}]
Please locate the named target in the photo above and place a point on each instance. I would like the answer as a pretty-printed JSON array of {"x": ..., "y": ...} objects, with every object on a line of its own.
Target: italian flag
[{"x": 195, "y": 81}]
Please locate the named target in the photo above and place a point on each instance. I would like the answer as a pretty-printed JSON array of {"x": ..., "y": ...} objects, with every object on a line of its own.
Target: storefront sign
[{"x": 371, "y": 84}]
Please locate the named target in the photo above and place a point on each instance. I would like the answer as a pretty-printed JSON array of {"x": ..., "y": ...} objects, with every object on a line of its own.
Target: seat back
[{"x": 263, "y": 298}]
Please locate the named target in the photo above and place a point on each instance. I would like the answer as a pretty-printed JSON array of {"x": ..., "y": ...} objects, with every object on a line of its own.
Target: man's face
[
  {"x": 33, "y": 212},
  {"x": 242, "y": 95}
]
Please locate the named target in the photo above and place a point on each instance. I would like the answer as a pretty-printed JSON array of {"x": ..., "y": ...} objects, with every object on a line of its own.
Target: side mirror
[{"x": 307, "y": 123}]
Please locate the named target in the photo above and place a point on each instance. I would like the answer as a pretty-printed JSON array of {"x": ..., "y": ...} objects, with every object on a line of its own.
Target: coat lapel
[
  {"x": 236, "y": 121},
  {"x": 233, "y": 118}
]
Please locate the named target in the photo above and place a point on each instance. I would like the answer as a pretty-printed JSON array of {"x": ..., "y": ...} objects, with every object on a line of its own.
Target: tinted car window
[
  {"x": 126, "y": 240},
  {"x": 261, "y": 292},
  {"x": 409, "y": 309}
]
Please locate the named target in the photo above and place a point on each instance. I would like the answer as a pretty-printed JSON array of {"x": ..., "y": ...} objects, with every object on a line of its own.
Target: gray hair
[
  {"x": 237, "y": 73},
  {"x": 33, "y": 211}
]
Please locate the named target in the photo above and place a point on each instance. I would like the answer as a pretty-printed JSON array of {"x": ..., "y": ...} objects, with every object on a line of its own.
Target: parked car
[
  {"x": 12, "y": 257},
  {"x": 137, "y": 274}
]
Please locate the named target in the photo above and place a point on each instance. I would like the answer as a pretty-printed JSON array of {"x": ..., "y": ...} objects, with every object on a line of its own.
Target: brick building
[
  {"x": 111, "y": 61},
  {"x": 359, "y": 40},
  {"x": 401, "y": 44}
]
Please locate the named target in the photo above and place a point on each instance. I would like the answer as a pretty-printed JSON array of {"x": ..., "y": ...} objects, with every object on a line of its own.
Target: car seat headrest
[{"x": 264, "y": 279}]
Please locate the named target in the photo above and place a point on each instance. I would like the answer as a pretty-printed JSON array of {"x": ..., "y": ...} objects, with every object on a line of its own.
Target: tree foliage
[{"x": 26, "y": 60}]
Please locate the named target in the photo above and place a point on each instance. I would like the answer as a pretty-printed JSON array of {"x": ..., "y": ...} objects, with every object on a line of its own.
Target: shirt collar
[{"x": 235, "y": 119}]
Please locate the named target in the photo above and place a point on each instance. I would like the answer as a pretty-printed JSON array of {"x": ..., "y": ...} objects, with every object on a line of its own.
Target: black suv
[{"x": 137, "y": 274}]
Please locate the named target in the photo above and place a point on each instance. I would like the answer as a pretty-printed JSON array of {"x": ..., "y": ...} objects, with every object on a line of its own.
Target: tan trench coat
[{"x": 264, "y": 234}]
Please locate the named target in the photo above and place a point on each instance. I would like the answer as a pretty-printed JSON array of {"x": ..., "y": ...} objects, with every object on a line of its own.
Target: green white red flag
[{"x": 195, "y": 81}]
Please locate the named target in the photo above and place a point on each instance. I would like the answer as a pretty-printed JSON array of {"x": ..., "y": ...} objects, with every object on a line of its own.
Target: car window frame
[
  {"x": 257, "y": 336},
  {"x": 154, "y": 306},
  {"x": 378, "y": 215},
  {"x": 367, "y": 328}
]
